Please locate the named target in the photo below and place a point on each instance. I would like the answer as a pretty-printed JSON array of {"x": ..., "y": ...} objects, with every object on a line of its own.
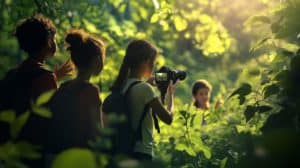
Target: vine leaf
[
  {"x": 270, "y": 90},
  {"x": 243, "y": 90},
  {"x": 262, "y": 109},
  {"x": 250, "y": 112}
]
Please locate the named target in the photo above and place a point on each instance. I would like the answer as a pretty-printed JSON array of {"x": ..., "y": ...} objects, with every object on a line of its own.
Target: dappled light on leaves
[{"x": 248, "y": 50}]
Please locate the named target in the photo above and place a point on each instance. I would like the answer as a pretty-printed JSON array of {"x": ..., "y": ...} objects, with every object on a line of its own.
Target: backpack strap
[
  {"x": 126, "y": 95},
  {"x": 156, "y": 123},
  {"x": 130, "y": 86},
  {"x": 155, "y": 120},
  {"x": 138, "y": 133}
]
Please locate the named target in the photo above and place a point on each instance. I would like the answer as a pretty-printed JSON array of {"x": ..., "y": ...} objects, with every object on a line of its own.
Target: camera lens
[{"x": 181, "y": 75}]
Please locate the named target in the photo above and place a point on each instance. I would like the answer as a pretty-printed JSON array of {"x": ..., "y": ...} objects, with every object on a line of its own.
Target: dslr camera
[{"x": 163, "y": 77}]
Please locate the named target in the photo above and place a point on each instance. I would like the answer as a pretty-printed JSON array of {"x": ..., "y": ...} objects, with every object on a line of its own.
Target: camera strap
[
  {"x": 139, "y": 129},
  {"x": 156, "y": 123}
]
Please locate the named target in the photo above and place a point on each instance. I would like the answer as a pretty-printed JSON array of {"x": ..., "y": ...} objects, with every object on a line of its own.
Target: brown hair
[
  {"x": 199, "y": 84},
  {"x": 34, "y": 32},
  {"x": 83, "y": 48},
  {"x": 137, "y": 52}
]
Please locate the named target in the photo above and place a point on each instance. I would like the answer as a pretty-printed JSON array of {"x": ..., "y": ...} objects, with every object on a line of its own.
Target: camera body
[{"x": 163, "y": 77}]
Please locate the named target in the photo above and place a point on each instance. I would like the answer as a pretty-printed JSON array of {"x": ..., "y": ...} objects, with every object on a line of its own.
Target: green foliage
[
  {"x": 242, "y": 91},
  {"x": 12, "y": 153},
  {"x": 258, "y": 125},
  {"x": 18, "y": 124},
  {"x": 189, "y": 142},
  {"x": 41, "y": 111},
  {"x": 44, "y": 98},
  {"x": 38, "y": 107},
  {"x": 76, "y": 158},
  {"x": 278, "y": 93},
  {"x": 7, "y": 116}
]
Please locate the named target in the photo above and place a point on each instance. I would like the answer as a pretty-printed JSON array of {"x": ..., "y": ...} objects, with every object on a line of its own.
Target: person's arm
[
  {"x": 91, "y": 105},
  {"x": 101, "y": 115},
  {"x": 164, "y": 114},
  {"x": 105, "y": 120},
  {"x": 64, "y": 70},
  {"x": 97, "y": 108},
  {"x": 219, "y": 103}
]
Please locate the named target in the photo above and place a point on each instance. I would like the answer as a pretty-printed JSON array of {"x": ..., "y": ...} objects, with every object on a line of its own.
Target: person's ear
[
  {"x": 102, "y": 65},
  {"x": 144, "y": 66},
  {"x": 51, "y": 45},
  {"x": 151, "y": 63}
]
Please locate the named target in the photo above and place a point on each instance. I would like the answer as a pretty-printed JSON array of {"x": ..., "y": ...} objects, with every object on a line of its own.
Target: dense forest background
[{"x": 247, "y": 50}]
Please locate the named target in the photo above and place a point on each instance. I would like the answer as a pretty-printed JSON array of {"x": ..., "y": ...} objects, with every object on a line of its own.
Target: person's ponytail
[
  {"x": 84, "y": 48},
  {"x": 137, "y": 52},
  {"x": 122, "y": 76}
]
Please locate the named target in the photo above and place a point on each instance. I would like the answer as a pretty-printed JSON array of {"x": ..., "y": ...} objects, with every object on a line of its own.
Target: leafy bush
[{"x": 258, "y": 125}]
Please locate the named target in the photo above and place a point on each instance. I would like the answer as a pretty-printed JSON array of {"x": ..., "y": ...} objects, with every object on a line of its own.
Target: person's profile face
[
  {"x": 51, "y": 46},
  {"x": 149, "y": 68},
  {"x": 202, "y": 96},
  {"x": 97, "y": 65}
]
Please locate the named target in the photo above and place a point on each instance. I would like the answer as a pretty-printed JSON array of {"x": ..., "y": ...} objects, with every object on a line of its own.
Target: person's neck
[
  {"x": 83, "y": 76},
  {"x": 37, "y": 57},
  {"x": 202, "y": 106},
  {"x": 137, "y": 75}
]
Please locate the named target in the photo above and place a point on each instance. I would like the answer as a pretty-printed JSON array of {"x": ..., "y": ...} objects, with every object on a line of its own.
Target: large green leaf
[
  {"x": 259, "y": 44},
  {"x": 91, "y": 27},
  {"x": 44, "y": 98},
  {"x": 75, "y": 158},
  {"x": 249, "y": 112},
  {"x": 270, "y": 90},
  {"x": 264, "y": 108},
  {"x": 18, "y": 124},
  {"x": 206, "y": 151},
  {"x": 42, "y": 111},
  {"x": 223, "y": 162},
  {"x": 154, "y": 18},
  {"x": 10, "y": 155},
  {"x": 7, "y": 116},
  {"x": 27, "y": 150},
  {"x": 180, "y": 23},
  {"x": 243, "y": 90},
  {"x": 258, "y": 19}
]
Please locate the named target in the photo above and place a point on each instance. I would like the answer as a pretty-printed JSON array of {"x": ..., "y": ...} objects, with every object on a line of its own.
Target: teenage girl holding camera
[{"x": 138, "y": 65}]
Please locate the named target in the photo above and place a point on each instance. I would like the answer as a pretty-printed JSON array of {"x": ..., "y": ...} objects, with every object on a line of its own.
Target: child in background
[{"x": 202, "y": 93}]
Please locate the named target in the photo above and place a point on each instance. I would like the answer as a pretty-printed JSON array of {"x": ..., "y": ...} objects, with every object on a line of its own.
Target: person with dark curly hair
[
  {"x": 25, "y": 83},
  {"x": 36, "y": 36}
]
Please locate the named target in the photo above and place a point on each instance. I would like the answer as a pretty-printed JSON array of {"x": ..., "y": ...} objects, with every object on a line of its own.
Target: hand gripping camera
[{"x": 163, "y": 77}]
